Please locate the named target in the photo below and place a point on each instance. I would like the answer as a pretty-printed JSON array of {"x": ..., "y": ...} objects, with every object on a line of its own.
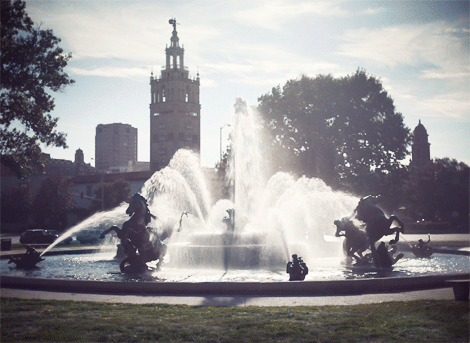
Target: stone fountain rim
[{"x": 327, "y": 287}]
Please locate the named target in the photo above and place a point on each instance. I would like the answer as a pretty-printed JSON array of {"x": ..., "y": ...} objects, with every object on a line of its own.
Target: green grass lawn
[{"x": 68, "y": 321}]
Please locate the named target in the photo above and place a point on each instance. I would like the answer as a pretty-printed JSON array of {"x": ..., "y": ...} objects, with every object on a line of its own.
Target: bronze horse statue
[
  {"x": 27, "y": 260},
  {"x": 377, "y": 224},
  {"x": 135, "y": 237},
  {"x": 355, "y": 242}
]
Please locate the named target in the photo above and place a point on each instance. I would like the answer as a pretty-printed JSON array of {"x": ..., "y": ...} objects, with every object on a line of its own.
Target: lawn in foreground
[{"x": 68, "y": 321}]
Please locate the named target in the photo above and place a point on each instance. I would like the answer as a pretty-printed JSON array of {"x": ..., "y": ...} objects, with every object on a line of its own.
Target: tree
[
  {"x": 343, "y": 130},
  {"x": 440, "y": 192},
  {"x": 114, "y": 194},
  {"x": 17, "y": 203},
  {"x": 51, "y": 203},
  {"x": 32, "y": 65}
]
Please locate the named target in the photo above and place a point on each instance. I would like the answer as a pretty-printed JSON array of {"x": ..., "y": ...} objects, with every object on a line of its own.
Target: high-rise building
[
  {"x": 420, "y": 151},
  {"x": 115, "y": 146},
  {"x": 174, "y": 108}
]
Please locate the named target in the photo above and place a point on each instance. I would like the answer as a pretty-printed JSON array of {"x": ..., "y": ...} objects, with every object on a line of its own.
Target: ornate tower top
[
  {"x": 174, "y": 53},
  {"x": 174, "y": 38}
]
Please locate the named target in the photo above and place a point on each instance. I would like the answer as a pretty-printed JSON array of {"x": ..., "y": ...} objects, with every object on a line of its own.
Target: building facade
[
  {"x": 420, "y": 150},
  {"x": 174, "y": 108},
  {"x": 115, "y": 146}
]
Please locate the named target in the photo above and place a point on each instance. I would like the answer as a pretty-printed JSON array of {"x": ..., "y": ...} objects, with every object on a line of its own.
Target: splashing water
[{"x": 274, "y": 217}]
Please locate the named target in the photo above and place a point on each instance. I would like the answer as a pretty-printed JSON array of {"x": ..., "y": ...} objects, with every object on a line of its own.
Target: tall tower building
[
  {"x": 420, "y": 152},
  {"x": 115, "y": 146},
  {"x": 175, "y": 121}
]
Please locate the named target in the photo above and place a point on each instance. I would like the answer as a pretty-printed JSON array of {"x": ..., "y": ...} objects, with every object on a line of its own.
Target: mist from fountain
[{"x": 274, "y": 217}]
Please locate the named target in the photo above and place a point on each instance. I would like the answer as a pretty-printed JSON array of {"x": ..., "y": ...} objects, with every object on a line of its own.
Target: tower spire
[{"x": 174, "y": 37}]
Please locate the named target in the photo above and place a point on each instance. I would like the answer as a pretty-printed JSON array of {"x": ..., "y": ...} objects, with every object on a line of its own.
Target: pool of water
[{"x": 104, "y": 267}]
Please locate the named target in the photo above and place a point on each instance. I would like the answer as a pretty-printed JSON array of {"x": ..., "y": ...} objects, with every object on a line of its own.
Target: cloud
[
  {"x": 131, "y": 73},
  {"x": 208, "y": 83},
  {"x": 105, "y": 29},
  {"x": 433, "y": 44},
  {"x": 273, "y": 14},
  {"x": 372, "y": 11},
  {"x": 452, "y": 105}
]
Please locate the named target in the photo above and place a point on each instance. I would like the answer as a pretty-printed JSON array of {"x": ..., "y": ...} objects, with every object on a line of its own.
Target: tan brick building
[{"x": 115, "y": 146}]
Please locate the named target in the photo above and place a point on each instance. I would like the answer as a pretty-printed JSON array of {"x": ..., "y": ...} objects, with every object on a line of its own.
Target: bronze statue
[
  {"x": 297, "y": 269},
  {"x": 355, "y": 242},
  {"x": 384, "y": 257},
  {"x": 135, "y": 237},
  {"x": 27, "y": 260},
  {"x": 377, "y": 225},
  {"x": 422, "y": 249}
]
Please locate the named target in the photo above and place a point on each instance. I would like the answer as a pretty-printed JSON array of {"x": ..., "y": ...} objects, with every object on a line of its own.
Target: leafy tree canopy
[
  {"x": 114, "y": 194},
  {"x": 51, "y": 203},
  {"x": 32, "y": 64},
  {"x": 440, "y": 191},
  {"x": 17, "y": 203},
  {"x": 344, "y": 130}
]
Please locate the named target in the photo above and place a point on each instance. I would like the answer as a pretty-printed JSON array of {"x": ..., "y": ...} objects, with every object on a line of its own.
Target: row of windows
[
  {"x": 170, "y": 136},
  {"x": 173, "y": 94},
  {"x": 192, "y": 114}
]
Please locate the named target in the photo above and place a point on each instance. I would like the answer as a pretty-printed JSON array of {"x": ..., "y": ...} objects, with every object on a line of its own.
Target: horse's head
[
  {"x": 367, "y": 207},
  {"x": 369, "y": 200},
  {"x": 138, "y": 206},
  {"x": 137, "y": 203},
  {"x": 341, "y": 227},
  {"x": 344, "y": 227}
]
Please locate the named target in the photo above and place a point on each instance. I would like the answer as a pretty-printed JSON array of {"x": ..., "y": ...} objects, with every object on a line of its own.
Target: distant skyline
[{"x": 419, "y": 50}]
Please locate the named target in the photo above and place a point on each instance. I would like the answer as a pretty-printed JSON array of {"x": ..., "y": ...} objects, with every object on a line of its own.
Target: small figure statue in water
[
  {"x": 230, "y": 220},
  {"x": 422, "y": 249},
  {"x": 27, "y": 260},
  {"x": 297, "y": 269},
  {"x": 384, "y": 258}
]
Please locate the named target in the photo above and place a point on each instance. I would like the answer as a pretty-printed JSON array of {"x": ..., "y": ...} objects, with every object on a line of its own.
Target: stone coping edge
[{"x": 332, "y": 287}]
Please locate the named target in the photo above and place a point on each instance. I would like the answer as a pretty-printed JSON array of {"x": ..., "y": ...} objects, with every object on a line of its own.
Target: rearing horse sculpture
[
  {"x": 355, "y": 242},
  {"x": 135, "y": 237},
  {"x": 377, "y": 225}
]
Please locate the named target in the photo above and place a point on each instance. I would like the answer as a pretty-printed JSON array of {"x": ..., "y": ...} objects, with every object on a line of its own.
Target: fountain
[{"x": 248, "y": 238}]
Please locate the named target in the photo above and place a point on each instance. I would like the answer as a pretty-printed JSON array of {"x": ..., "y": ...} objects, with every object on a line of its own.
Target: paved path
[{"x": 236, "y": 300}]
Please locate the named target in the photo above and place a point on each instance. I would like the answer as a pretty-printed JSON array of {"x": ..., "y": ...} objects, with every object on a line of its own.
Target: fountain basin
[{"x": 99, "y": 272}]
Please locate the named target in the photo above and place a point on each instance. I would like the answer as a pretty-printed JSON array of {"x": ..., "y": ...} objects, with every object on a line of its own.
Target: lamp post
[
  {"x": 102, "y": 188},
  {"x": 221, "y": 140}
]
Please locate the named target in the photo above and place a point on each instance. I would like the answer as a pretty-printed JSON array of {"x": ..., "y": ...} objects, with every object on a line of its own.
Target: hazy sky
[{"x": 419, "y": 49}]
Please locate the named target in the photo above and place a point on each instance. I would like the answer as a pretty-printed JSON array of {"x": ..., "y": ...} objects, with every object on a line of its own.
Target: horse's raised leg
[
  {"x": 397, "y": 230},
  {"x": 114, "y": 227}
]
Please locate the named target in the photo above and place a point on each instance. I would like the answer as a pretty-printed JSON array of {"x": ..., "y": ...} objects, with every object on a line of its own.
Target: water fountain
[{"x": 248, "y": 238}]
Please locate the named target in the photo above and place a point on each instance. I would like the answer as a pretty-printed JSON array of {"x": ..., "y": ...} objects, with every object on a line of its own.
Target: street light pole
[{"x": 221, "y": 140}]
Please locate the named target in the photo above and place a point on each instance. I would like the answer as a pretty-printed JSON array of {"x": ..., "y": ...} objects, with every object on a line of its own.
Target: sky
[{"x": 418, "y": 49}]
